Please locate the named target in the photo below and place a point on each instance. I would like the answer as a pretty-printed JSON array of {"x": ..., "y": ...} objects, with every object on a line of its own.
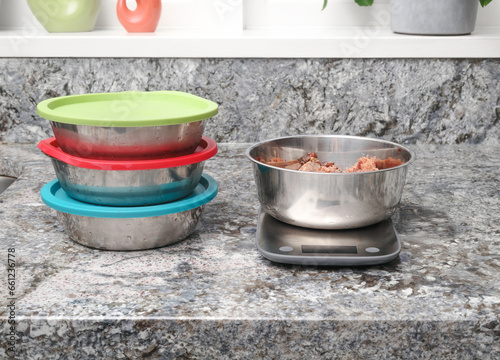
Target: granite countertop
[{"x": 214, "y": 296}]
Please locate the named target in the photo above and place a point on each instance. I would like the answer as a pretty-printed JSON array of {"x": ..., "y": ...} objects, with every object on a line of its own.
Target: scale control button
[
  {"x": 286, "y": 248},
  {"x": 372, "y": 249}
]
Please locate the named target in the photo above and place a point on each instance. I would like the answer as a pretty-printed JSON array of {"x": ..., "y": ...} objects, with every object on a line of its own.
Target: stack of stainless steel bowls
[{"x": 129, "y": 166}]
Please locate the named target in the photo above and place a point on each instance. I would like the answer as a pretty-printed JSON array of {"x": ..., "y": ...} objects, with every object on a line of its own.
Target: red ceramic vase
[{"x": 143, "y": 19}]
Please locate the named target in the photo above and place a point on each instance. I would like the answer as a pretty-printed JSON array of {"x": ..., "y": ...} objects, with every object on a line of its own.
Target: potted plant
[{"x": 431, "y": 17}]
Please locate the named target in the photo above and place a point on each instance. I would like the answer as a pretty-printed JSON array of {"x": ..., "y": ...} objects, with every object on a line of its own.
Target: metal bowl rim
[
  {"x": 128, "y": 218},
  {"x": 411, "y": 152},
  {"x": 108, "y": 127}
]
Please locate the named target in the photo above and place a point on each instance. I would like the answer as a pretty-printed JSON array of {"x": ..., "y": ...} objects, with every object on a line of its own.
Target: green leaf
[
  {"x": 370, "y": 2},
  {"x": 326, "y": 3},
  {"x": 484, "y": 2}
]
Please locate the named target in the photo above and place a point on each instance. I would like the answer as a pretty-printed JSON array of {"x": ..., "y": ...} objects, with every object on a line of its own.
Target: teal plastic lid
[
  {"x": 128, "y": 109},
  {"x": 56, "y": 198}
]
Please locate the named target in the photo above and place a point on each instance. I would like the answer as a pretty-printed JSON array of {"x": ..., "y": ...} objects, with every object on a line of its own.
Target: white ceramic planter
[{"x": 433, "y": 17}]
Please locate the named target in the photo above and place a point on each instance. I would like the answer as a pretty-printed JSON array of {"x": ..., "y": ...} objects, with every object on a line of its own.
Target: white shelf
[
  {"x": 349, "y": 42},
  {"x": 247, "y": 29}
]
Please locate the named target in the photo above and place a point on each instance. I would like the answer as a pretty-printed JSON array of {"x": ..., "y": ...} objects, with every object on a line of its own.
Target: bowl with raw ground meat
[{"x": 329, "y": 181}]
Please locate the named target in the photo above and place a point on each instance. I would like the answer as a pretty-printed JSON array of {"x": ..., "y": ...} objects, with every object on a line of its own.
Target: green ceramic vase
[{"x": 66, "y": 15}]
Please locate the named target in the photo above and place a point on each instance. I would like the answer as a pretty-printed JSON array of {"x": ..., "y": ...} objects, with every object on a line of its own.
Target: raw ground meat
[
  {"x": 311, "y": 163},
  {"x": 363, "y": 164}
]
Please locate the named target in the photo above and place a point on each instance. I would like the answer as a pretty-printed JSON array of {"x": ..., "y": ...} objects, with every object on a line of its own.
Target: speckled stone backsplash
[{"x": 404, "y": 100}]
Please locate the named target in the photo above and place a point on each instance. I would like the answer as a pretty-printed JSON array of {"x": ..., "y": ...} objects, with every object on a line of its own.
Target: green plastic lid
[{"x": 128, "y": 109}]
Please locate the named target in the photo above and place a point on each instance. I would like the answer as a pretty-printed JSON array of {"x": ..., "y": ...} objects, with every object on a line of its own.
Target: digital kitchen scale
[{"x": 284, "y": 243}]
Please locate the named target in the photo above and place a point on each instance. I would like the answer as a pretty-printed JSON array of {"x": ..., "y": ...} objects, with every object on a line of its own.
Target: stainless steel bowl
[
  {"x": 129, "y": 228},
  {"x": 329, "y": 200},
  {"x": 130, "y": 234},
  {"x": 128, "y": 143},
  {"x": 128, "y": 183},
  {"x": 129, "y": 187}
]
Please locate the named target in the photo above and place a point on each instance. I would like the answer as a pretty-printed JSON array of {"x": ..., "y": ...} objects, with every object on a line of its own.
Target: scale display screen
[{"x": 329, "y": 249}]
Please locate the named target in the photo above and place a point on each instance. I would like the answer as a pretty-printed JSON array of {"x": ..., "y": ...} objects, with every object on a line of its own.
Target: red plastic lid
[{"x": 206, "y": 150}]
